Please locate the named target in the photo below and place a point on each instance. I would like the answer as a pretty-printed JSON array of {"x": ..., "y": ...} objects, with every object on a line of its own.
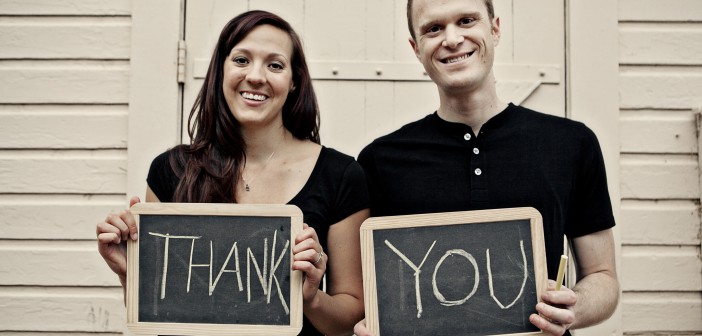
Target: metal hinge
[{"x": 181, "y": 61}]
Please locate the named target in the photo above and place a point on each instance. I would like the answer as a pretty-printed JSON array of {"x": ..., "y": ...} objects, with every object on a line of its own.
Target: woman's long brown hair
[{"x": 209, "y": 167}]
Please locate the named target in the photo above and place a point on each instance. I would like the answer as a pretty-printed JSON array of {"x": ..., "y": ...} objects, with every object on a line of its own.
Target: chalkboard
[
  {"x": 219, "y": 269},
  {"x": 457, "y": 273}
]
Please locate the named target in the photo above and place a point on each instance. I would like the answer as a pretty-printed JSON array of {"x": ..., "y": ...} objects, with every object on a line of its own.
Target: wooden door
[{"x": 367, "y": 79}]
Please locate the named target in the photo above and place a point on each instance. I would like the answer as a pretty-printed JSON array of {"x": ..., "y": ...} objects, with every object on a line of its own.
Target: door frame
[{"x": 591, "y": 92}]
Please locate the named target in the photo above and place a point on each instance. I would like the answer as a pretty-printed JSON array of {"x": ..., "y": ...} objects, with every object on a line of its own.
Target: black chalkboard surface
[
  {"x": 460, "y": 273},
  {"x": 214, "y": 269}
]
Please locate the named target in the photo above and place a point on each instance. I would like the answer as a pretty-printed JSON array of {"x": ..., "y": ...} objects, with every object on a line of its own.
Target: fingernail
[{"x": 135, "y": 236}]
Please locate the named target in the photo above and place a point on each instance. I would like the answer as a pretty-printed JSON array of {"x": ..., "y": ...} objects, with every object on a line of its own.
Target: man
[{"x": 478, "y": 152}]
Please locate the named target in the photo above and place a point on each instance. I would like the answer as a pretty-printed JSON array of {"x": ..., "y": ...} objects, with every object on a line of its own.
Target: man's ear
[
  {"x": 496, "y": 30},
  {"x": 414, "y": 46}
]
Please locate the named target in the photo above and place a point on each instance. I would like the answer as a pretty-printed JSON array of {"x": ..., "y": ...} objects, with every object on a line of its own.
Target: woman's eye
[
  {"x": 276, "y": 66},
  {"x": 240, "y": 60}
]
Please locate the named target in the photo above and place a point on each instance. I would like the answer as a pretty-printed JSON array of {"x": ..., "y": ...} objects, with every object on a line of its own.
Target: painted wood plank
[
  {"x": 379, "y": 110},
  {"x": 62, "y": 309},
  {"x": 659, "y": 222},
  {"x": 660, "y": 43},
  {"x": 60, "y": 263},
  {"x": 658, "y": 132},
  {"x": 65, "y": 7},
  {"x": 659, "y": 177},
  {"x": 660, "y": 10},
  {"x": 662, "y": 312},
  {"x": 100, "y": 172},
  {"x": 58, "y": 82},
  {"x": 332, "y": 30},
  {"x": 660, "y": 87},
  {"x": 51, "y": 217},
  {"x": 291, "y": 11},
  {"x": 76, "y": 130},
  {"x": 402, "y": 50},
  {"x": 73, "y": 38},
  {"x": 661, "y": 268},
  {"x": 342, "y": 107}
]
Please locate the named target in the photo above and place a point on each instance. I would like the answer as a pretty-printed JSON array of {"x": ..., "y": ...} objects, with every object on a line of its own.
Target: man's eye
[
  {"x": 466, "y": 21},
  {"x": 434, "y": 29}
]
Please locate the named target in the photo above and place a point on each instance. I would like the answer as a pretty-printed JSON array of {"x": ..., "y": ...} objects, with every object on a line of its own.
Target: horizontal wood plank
[
  {"x": 659, "y": 177},
  {"x": 660, "y": 88},
  {"x": 61, "y": 263},
  {"x": 78, "y": 38},
  {"x": 662, "y": 132},
  {"x": 657, "y": 43},
  {"x": 62, "y": 310},
  {"x": 65, "y": 7},
  {"x": 661, "y": 268},
  {"x": 35, "y": 82},
  {"x": 64, "y": 131},
  {"x": 660, "y": 10},
  {"x": 661, "y": 312},
  {"x": 54, "y": 217},
  {"x": 63, "y": 172},
  {"x": 659, "y": 222}
]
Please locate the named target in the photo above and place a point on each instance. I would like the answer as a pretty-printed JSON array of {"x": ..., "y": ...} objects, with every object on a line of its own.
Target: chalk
[{"x": 561, "y": 269}]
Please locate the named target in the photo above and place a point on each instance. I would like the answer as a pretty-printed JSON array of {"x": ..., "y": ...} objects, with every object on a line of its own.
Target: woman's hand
[
  {"x": 309, "y": 257},
  {"x": 112, "y": 236}
]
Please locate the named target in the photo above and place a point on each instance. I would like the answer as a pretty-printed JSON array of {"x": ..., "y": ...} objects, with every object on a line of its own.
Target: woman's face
[{"x": 258, "y": 77}]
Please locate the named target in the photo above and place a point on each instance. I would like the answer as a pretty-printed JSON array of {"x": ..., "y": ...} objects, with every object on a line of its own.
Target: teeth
[
  {"x": 454, "y": 60},
  {"x": 249, "y": 95}
]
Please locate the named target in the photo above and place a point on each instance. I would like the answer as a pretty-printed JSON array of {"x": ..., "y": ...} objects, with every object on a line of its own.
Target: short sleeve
[
  {"x": 591, "y": 209},
  {"x": 161, "y": 179},
  {"x": 352, "y": 195}
]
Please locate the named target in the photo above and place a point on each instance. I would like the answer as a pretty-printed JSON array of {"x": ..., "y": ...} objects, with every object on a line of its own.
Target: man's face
[{"x": 455, "y": 41}]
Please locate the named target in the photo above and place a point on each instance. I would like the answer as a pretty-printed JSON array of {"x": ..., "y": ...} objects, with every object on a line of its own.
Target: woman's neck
[{"x": 261, "y": 143}]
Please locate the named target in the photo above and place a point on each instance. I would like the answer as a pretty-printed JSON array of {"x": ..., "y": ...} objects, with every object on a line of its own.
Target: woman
[{"x": 254, "y": 133}]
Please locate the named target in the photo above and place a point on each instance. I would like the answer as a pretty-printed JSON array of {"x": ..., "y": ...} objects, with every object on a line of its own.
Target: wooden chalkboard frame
[
  {"x": 441, "y": 219},
  {"x": 209, "y": 209}
]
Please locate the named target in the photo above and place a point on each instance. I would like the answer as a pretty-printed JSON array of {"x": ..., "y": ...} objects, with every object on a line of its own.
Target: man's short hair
[{"x": 488, "y": 5}]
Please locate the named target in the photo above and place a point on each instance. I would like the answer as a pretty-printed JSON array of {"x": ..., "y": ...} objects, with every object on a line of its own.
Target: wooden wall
[
  {"x": 660, "y": 94},
  {"x": 64, "y": 87}
]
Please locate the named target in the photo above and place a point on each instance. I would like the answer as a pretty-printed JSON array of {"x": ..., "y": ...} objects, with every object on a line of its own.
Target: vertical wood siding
[
  {"x": 64, "y": 84},
  {"x": 660, "y": 90}
]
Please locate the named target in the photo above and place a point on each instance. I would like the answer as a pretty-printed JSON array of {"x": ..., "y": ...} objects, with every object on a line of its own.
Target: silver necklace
[{"x": 246, "y": 183}]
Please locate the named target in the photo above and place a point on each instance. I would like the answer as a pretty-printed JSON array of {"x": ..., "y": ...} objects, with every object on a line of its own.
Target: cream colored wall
[
  {"x": 660, "y": 81},
  {"x": 66, "y": 70},
  {"x": 64, "y": 87}
]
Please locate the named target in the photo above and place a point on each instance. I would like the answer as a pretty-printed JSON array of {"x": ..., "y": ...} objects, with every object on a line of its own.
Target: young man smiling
[{"x": 479, "y": 152}]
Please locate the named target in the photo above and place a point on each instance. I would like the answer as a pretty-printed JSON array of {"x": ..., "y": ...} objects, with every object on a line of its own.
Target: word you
[
  {"x": 266, "y": 278},
  {"x": 462, "y": 253}
]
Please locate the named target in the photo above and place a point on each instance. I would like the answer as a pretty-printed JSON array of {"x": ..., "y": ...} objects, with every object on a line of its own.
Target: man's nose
[{"x": 452, "y": 37}]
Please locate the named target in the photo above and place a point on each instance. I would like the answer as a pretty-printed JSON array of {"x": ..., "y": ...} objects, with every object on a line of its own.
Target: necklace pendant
[{"x": 247, "y": 187}]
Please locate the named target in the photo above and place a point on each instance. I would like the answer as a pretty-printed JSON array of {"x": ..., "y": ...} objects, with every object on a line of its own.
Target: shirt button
[
  {"x": 478, "y": 171},
  {"x": 476, "y": 151},
  {"x": 466, "y": 136}
]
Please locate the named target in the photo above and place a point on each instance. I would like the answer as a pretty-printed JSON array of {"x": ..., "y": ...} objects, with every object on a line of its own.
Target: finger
[
  {"x": 116, "y": 221},
  {"x": 306, "y": 255},
  {"x": 307, "y": 244},
  {"x": 109, "y": 227},
  {"x": 128, "y": 218},
  {"x": 554, "y": 314},
  {"x": 134, "y": 200},
  {"x": 307, "y": 233},
  {"x": 564, "y": 297},
  {"x": 546, "y": 326},
  {"x": 109, "y": 238},
  {"x": 310, "y": 269}
]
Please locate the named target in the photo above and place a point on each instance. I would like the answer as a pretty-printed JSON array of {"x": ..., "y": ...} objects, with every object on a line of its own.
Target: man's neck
[{"x": 473, "y": 108}]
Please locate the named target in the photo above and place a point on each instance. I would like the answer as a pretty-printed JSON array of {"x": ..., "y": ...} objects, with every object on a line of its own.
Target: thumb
[{"x": 134, "y": 200}]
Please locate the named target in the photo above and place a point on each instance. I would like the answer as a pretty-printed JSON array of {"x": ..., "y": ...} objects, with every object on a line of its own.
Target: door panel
[{"x": 367, "y": 78}]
